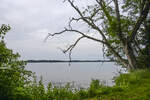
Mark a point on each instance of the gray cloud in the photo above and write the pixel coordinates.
(32, 20)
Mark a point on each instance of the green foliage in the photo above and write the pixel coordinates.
(94, 86)
(13, 76)
(130, 86)
(3, 30)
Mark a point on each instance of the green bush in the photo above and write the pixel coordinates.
(13, 76)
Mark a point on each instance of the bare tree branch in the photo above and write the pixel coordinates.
(85, 20)
(71, 47)
(79, 32)
(75, 19)
(91, 38)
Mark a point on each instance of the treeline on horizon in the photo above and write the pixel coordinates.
(34, 61)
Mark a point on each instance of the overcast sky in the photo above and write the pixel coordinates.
(32, 20)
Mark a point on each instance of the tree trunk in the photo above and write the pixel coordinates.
(130, 56)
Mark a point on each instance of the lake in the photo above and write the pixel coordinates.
(80, 74)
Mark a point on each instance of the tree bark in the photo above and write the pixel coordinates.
(130, 56)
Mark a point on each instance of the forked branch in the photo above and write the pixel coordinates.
(76, 31)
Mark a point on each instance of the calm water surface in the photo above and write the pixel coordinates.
(80, 73)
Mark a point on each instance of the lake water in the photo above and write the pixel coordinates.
(79, 73)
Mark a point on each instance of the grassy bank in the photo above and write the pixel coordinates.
(132, 86)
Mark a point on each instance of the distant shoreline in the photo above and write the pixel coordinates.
(65, 61)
